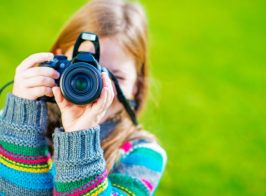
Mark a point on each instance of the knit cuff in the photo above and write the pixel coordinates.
(23, 122)
(25, 112)
(78, 154)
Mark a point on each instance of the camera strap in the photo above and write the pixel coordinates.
(128, 105)
(5, 86)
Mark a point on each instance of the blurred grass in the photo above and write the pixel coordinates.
(207, 103)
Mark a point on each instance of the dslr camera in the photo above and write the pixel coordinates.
(80, 78)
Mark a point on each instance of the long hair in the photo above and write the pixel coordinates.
(126, 22)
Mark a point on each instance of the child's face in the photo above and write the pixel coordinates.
(114, 57)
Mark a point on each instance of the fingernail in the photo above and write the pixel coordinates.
(50, 55)
(57, 75)
(105, 74)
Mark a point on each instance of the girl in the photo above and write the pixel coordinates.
(94, 149)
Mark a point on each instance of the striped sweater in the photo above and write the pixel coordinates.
(78, 166)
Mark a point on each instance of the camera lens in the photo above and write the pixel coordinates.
(81, 83)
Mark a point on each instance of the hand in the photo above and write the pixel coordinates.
(80, 117)
(32, 82)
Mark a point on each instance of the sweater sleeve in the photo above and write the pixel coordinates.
(25, 163)
(81, 168)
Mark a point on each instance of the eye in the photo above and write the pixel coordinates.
(119, 77)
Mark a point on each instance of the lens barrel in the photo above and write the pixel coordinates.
(81, 83)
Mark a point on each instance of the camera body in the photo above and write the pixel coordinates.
(80, 78)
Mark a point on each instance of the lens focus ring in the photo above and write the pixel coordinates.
(81, 83)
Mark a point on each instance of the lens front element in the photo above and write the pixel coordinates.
(81, 83)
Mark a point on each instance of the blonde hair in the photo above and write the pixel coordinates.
(125, 21)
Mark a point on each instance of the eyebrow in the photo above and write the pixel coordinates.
(118, 71)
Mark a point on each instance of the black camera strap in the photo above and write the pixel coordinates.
(5, 86)
(123, 100)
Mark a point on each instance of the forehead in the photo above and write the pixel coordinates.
(113, 55)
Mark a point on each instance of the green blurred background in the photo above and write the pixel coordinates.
(207, 101)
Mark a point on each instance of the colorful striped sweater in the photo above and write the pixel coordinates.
(78, 166)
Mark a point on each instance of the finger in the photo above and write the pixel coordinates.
(111, 88)
(60, 99)
(58, 96)
(35, 59)
(39, 81)
(41, 91)
(110, 98)
(41, 71)
(106, 80)
(110, 93)
(106, 96)
(104, 103)
(98, 106)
